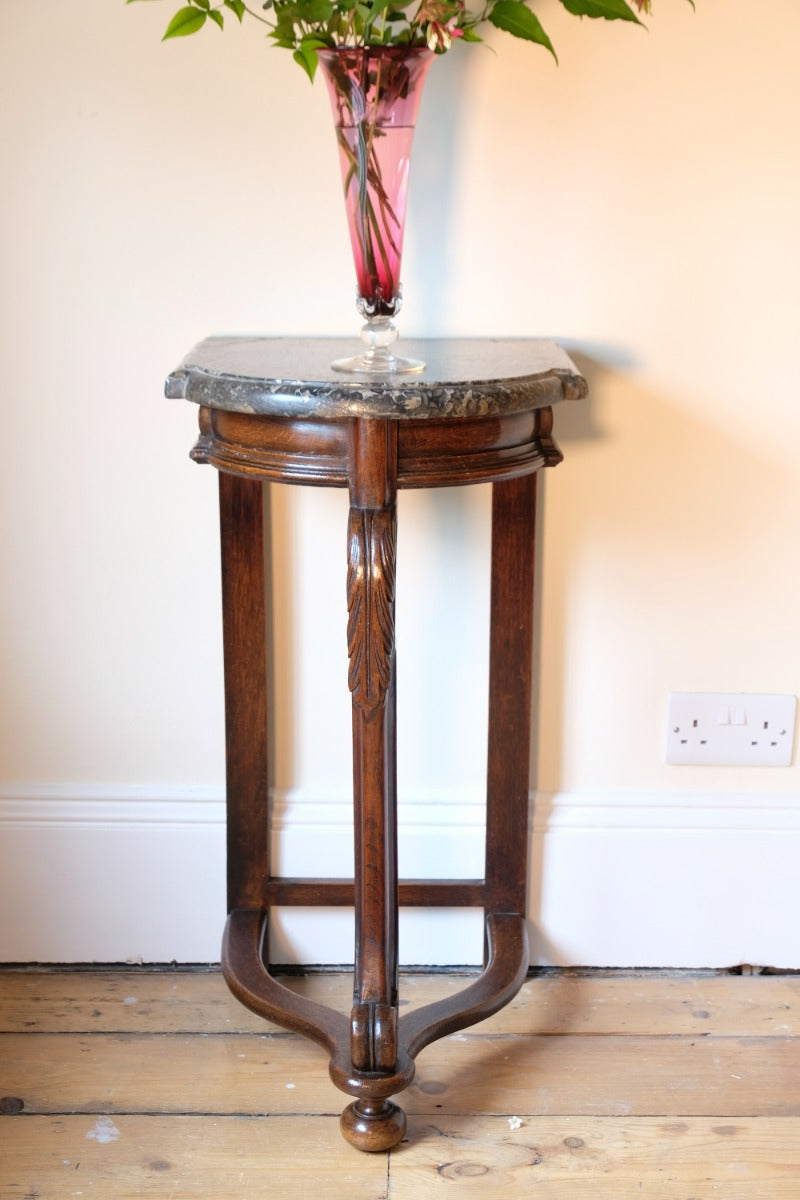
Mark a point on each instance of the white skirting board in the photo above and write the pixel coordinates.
(631, 879)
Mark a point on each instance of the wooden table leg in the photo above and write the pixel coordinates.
(510, 677)
(371, 552)
(241, 505)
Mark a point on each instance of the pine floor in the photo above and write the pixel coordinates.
(122, 1084)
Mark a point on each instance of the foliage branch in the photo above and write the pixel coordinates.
(306, 26)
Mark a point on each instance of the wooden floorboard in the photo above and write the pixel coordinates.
(600, 1158)
(294, 1158)
(199, 1002)
(143, 1084)
(249, 1074)
(175, 1158)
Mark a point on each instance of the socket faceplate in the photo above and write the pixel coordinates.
(730, 729)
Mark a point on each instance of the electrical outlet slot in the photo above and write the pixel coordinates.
(735, 729)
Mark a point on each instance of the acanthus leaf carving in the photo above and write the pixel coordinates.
(371, 544)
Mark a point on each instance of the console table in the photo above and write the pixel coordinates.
(272, 410)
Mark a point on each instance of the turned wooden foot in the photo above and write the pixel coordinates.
(373, 1127)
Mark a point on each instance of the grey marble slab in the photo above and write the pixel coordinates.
(293, 377)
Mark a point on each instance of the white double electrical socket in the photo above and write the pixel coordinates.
(730, 729)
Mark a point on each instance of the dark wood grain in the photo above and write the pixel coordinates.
(244, 646)
(503, 976)
(414, 893)
(316, 451)
(372, 541)
(243, 964)
(510, 668)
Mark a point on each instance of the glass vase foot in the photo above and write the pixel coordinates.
(379, 334)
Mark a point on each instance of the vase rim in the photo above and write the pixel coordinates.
(393, 50)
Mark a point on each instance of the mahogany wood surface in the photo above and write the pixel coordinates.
(244, 643)
(374, 440)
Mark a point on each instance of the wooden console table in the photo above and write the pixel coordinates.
(273, 410)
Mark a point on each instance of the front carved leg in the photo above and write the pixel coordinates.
(371, 553)
(370, 636)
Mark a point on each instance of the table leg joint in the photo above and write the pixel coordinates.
(373, 1036)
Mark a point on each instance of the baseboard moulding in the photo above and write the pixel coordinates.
(111, 874)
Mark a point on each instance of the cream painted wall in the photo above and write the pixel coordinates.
(639, 203)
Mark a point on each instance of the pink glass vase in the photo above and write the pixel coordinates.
(375, 93)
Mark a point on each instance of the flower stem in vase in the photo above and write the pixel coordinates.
(375, 93)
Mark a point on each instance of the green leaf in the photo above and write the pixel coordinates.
(283, 33)
(236, 6)
(306, 56)
(185, 21)
(514, 17)
(204, 4)
(612, 10)
(313, 12)
(218, 17)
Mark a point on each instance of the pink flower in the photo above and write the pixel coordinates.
(440, 37)
(440, 20)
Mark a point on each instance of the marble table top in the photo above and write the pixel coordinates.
(293, 377)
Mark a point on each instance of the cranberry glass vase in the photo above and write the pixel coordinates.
(375, 93)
